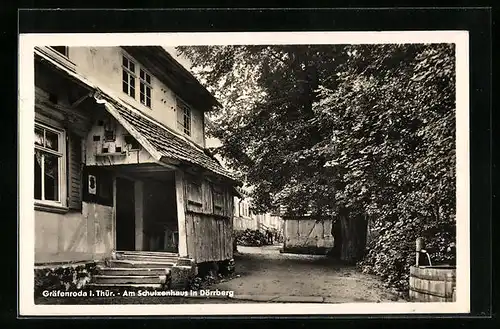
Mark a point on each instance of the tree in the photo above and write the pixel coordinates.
(355, 131)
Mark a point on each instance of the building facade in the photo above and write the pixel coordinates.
(120, 159)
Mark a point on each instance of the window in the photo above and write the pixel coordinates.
(183, 117)
(218, 200)
(48, 164)
(130, 140)
(129, 80)
(145, 88)
(128, 77)
(194, 193)
(63, 50)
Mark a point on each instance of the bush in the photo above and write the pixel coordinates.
(392, 252)
(253, 238)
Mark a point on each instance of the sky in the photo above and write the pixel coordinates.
(184, 61)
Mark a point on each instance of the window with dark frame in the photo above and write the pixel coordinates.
(63, 50)
(145, 88)
(218, 199)
(183, 117)
(130, 140)
(194, 192)
(128, 77)
(48, 163)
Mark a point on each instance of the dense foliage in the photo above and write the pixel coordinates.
(252, 238)
(368, 128)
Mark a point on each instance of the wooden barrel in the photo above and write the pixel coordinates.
(432, 283)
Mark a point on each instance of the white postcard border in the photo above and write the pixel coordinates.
(27, 42)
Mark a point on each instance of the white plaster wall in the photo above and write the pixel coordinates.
(94, 147)
(73, 236)
(103, 66)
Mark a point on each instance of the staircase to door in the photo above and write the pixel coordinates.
(147, 269)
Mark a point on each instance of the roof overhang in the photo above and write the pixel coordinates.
(159, 150)
(182, 82)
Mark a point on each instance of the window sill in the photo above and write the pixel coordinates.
(51, 208)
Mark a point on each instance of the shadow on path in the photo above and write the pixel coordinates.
(266, 271)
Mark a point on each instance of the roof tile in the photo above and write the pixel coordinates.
(170, 145)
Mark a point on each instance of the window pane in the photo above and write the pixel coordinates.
(141, 74)
(148, 92)
(148, 102)
(125, 76)
(125, 87)
(39, 136)
(141, 87)
(142, 98)
(38, 175)
(132, 67)
(51, 140)
(132, 92)
(51, 177)
(61, 49)
(148, 78)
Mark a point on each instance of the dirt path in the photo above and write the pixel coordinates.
(266, 271)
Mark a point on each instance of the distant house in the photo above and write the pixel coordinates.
(244, 217)
(120, 160)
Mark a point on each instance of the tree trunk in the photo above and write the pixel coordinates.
(353, 237)
(337, 239)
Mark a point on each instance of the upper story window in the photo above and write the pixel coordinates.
(59, 54)
(49, 148)
(145, 88)
(63, 50)
(133, 77)
(183, 117)
(128, 77)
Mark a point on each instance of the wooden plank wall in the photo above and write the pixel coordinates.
(209, 230)
(308, 232)
(209, 237)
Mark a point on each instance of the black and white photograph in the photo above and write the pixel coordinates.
(244, 173)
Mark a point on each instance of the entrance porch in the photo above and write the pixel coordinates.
(145, 203)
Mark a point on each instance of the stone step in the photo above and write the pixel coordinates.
(186, 262)
(139, 264)
(113, 286)
(151, 253)
(104, 270)
(172, 259)
(129, 279)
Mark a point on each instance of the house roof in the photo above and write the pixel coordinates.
(166, 143)
(165, 68)
(153, 136)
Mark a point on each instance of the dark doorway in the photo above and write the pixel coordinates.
(125, 214)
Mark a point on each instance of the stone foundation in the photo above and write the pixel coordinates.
(64, 277)
(182, 275)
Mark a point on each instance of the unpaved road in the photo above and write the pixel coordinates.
(266, 271)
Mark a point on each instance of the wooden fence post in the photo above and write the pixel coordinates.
(419, 245)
